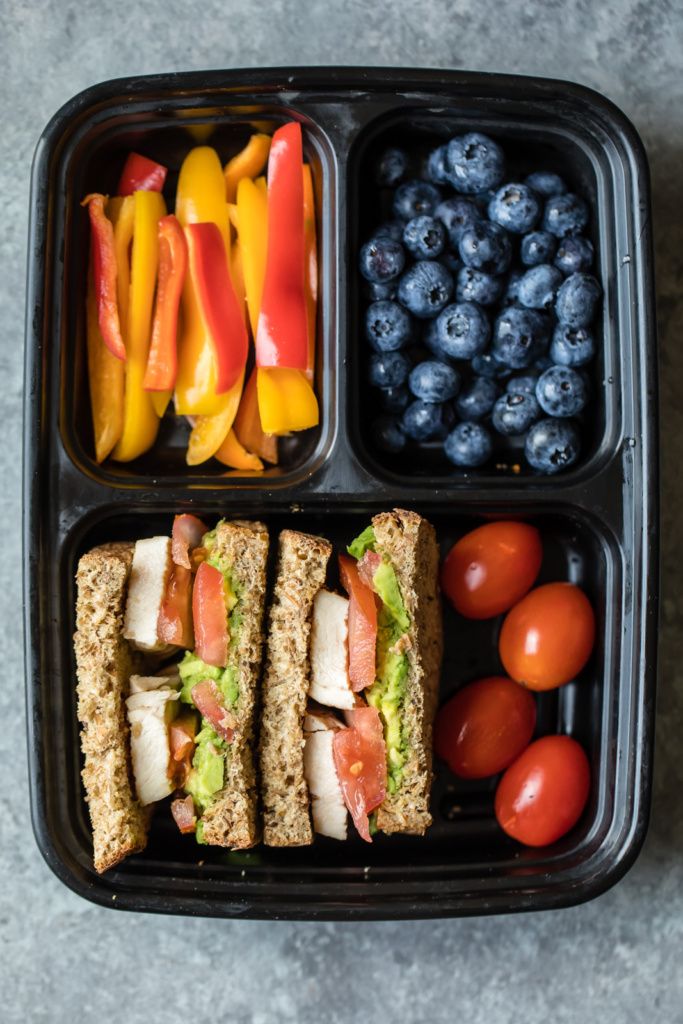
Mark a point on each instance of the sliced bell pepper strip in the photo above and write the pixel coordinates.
(232, 216)
(123, 218)
(232, 453)
(140, 421)
(200, 199)
(282, 333)
(311, 268)
(209, 432)
(104, 270)
(140, 174)
(105, 378)
(286, 400)
(162, 361)
(247, 164)
(237, 275)
(218, 304)
(252, 214)
(262, 184)
(247, 426)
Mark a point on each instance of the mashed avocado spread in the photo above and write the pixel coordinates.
(208, 763)
(388, 691)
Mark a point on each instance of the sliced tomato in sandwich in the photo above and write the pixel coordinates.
(362, 625)
(187, 533)
(184, 814)
(367, 567)
(210, 616)
(360, 761)
(174, 624)
(208, 700)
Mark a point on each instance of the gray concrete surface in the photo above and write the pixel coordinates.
(617, 959)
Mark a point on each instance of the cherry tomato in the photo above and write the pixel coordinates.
(491, 568)
(547, 638)
(482, 729)
(543, 793)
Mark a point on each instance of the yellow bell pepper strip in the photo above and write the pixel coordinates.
(311, 268)
(140, 421)
(105, 377)
(141, 174)
(232, 216)
(209, 432)
(252, 215)
(218, 304)
(282, 333)
(263, 185)
(286, 400)
(246, 164)
(247, 426)
(237, 275)
(232, 453)
(123, 217)
(162, 361)
(200, 198)
(104, 270)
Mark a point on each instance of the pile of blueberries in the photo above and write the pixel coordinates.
(481, 305)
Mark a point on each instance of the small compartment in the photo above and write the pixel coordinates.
(567, 144)
(92, 160)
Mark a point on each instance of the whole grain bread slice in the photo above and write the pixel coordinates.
(409, 542)
(104, 664)
(232, 819)
(301, 569)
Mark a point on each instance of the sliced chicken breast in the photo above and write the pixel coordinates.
(149, 576)
(330, 683)
(327, 803)
(150, 711)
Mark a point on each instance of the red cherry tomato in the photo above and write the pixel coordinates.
(547, 638)
(491, 568)
(543, 793)
(482, 729)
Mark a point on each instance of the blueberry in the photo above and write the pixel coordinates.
(462, 330)
(515, 207)
(552, 445)
(546, 184)
(485, 247)
(457, 215)
(476, 286)
(378, 291)
(381, 259)
(415, 197)
(388, 369)
(537, 247)
(394, 399)
(514, 413)
(476, 401)
(519, 337)
(425, 288)
(538, 287)
(424, 237)
(565, 215)
(574, 254)
(577, 299)
(423, 421)
(436, 170)
(391, 167)
(433, 381)
(390, 229)
(511, 293)
(474, 163)
(561, 391)
(524, 384)
(469, 445)
(571, 347)
(387, 326)
(388, 435)
(486, 365)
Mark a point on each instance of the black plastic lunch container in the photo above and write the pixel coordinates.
(598, 520)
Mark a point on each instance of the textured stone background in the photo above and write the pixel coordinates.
(616, 959)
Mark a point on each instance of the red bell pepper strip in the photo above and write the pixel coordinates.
(140, 174)
(104, 270)
(218, 305)
(282, 333)
(362, 625)
(162, 361)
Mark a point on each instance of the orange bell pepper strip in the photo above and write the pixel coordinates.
(104, 271)
(140, 421)
(141, 174)
(311, 268)
(247, 164)
(200, 198)
(232, 453)
(252, 216)
(162, 361)
(247, 426)
(105, 378)
(209, 432)
(286, 400)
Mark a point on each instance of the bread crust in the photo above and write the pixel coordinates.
(301, 570)
(104, 664)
